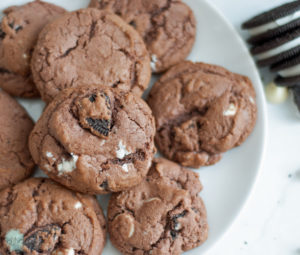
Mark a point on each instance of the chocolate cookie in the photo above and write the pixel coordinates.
(162, 215)
(273, 23)
(39, 216)
(201, 111)
(19, 31)
(168, 27)
(89, 47)
(15, 126)
(95, 139)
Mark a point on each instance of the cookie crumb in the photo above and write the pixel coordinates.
(67, 166)
(122, 151)
(14, 239)
(231, 111)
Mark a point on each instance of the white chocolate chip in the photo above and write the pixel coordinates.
(14, 239)
(50, 155)
(102, 142)
(276, 94)
(152, 199)
(125, 167)
(122, 151)
(177, 226)
(231, 111)
(78, 205)
(67, 166)
(153, 62)
(131, 230)
(60, 251)
(131, 222)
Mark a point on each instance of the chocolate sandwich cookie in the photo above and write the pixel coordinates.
(15, 126)
(39, 216)
(95, 139)
(288, 72)
(89, 47)
(162, 215)
(278, 49)
(168, 27)
(19, 31)
(201, 111)
(273, 23)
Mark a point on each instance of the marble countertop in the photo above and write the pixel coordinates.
(270, 221)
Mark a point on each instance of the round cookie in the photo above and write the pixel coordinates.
(89, 47)
(168, 27)
(201, 111)
(19, 31)
(277, 49)
(95, 139)
(288, 72)
(15, 126)
(39, 216)
(162, 215)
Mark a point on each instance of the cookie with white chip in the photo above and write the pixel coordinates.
(273, 23)
(201, 111)
(39, 216)
(19, 32)
(162, 215)
(95, 139)
(168, 27)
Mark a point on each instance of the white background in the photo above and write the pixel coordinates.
(270, 221)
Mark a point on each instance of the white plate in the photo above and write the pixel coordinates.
(228, 184)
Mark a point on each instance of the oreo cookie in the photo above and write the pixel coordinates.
(288, 71)
(278, 49)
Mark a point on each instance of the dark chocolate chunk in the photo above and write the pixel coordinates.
(17, 28)
(174, 223)
(47, 235)
(101, 126)
(104, 185)
(92, 98)
(2, 34)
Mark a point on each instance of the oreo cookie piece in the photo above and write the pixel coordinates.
(288, 71)
(277, 50)
(269, 20)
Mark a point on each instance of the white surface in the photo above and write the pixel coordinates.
(270, 222)
(227, 184)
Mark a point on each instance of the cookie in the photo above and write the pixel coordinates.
(288, 71)
(19, 31)
(162, 215)
(168, 27)
(278, 49)
(15, 126)
(201, 111)
(95, 139)
(89, 47)
(271, 19)
(39, 216)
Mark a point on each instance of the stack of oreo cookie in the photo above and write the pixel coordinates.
(275, 40)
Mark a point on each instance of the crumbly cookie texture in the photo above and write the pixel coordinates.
(95, 139)
(15, 124)
(201, 111)
(168, 27)
(39, 216)
(19, 31)
(89, 47)
(162, 215)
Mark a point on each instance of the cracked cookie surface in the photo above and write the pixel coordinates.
(19, 31)
(39, 216)
(15, 126)
(162, 215)
(168, 27)
(95, 139)
(201, 111)
(89, 47)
